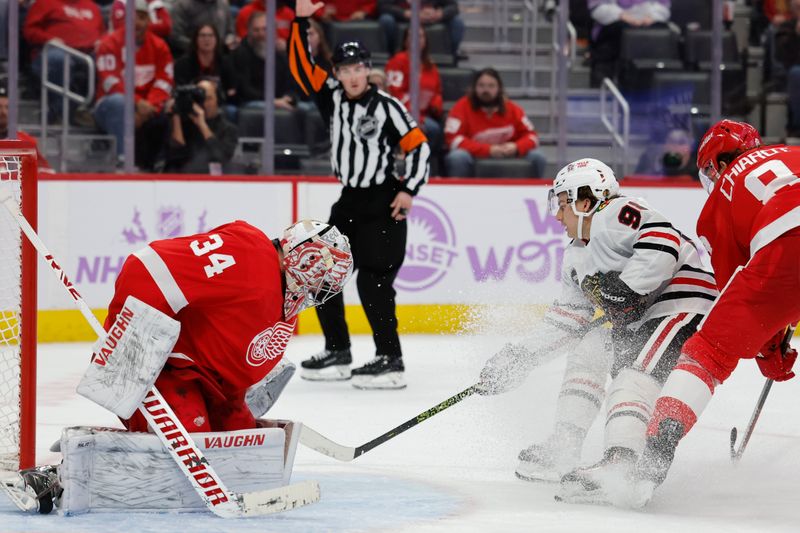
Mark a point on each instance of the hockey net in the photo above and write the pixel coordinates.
(17, 309)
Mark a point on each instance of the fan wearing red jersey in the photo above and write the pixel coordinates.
(750, 225)
(236, 294)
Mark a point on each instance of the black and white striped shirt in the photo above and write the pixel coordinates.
(364, 132)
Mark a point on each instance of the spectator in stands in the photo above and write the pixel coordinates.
(189, 14)
(201, 139)
(248, 60)
(75, 23)
(611, 17)
(320, 48)
(430, 88)
(205, 59)
(672, 157)
(787, 51)
(394, 12)
(284, 15)
(777, 11)
(153, 88)
(485, 123)
(160, 21)
(43, 165)
(344, 10)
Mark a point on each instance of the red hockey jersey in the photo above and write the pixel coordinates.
(225, 287)
(430, 85)
(755, 201)
(476, 131)
(76, 22)
(153, 73)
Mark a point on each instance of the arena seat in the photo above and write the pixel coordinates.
(366, 31)
(455, 82)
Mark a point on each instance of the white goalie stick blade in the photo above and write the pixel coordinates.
(12, 485)
(317, 442)
(280, 499)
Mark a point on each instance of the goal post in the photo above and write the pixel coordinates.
(18, 175)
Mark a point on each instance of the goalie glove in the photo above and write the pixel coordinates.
(775, 363)
(619, 302)
(506, 370)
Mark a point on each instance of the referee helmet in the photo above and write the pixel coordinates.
(349, 53)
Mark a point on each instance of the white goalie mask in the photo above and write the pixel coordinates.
(317, 263)
(583, 173)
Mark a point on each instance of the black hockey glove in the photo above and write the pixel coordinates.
(619, 302)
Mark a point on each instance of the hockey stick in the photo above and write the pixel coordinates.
(322, 444)
(166, 425)
(314, 440)
(736, 455)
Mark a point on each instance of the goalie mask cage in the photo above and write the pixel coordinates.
(17, 309)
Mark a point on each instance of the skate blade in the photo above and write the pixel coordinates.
(331, 373)
(389, 380)
(525, 472)
(592, 497)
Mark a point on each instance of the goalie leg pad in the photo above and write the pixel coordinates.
(127, 361)
(106, 470)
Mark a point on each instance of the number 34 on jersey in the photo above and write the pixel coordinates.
(218, 262)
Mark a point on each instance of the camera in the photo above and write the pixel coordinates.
(186, 96)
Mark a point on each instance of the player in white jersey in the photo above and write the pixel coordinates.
(629, 261)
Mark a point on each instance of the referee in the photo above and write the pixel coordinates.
(367, 127)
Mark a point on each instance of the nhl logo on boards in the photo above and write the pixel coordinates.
(367, 127)
(269, 344)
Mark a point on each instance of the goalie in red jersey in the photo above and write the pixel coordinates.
(750, 225)
(236, 294)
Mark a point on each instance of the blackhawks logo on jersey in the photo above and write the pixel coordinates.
(270, 343)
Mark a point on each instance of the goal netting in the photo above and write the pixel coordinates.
(17, 308)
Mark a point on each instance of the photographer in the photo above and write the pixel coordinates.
(201, 140)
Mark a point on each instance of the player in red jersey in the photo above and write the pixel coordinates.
(236, 294)
(750, 225)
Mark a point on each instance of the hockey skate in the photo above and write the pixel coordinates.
(607, 482)
(383, 372)
(32, 490)
(651, 471)
(327, 365)
(547, 461)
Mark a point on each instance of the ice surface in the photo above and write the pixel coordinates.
(454, 472)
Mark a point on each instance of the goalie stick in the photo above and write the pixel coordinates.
(314, 440)
(736, 455)
(179, 443)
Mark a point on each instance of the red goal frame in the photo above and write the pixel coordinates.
(29, 187)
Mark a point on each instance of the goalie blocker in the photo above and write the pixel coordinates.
(108, 470)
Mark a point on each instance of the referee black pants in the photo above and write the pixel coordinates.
(378, 243)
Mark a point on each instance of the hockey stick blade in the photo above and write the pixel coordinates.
(317, 442)
(734, 434)
(280, 499)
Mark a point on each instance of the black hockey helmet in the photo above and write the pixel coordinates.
(350, 52)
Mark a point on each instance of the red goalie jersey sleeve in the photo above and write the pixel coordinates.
(755, 201)
(225, 287)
